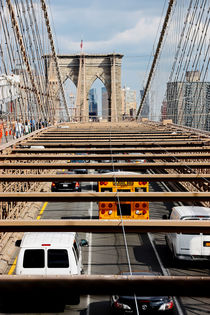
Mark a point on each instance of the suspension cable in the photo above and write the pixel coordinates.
(54, 55)
(159, 45)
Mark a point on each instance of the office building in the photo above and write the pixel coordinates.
(188, 103)
(145, 107)
(128, 102)
(93, 105)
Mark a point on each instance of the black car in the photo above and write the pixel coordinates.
(78, 170)
(147, 304)
(65, 186)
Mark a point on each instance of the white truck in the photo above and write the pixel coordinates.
(189, 246)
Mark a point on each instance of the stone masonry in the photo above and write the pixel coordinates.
(83, 69)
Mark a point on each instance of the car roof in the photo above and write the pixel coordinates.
(65, 172)
(55, 239)
(122, 173)
(141, 273)
(192, 211)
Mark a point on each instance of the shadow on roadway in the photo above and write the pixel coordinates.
(33, 307)
(145, 255)
(79, 218)
(95, 308)
(169, 262)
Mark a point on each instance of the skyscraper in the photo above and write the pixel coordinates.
(145, 107)
(128, 102)
(188, 103)
(93, 105)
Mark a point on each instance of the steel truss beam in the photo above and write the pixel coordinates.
(93, 132)
(105, 156)
(117, 137)
(121, 166)
(58, 287)
(105, 196)
(114, 143)
(99, 177)
(113, 150)
(106, 226)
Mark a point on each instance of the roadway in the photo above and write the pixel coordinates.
(106, 254)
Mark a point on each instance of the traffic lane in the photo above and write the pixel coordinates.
(71, 210)
(190, 305)
(110, 256)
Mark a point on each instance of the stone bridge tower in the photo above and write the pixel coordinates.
(83, 69)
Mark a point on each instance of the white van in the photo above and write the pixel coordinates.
(189, 246)
(49, 253)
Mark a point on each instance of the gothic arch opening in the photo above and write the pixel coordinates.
(70, 91)
(98, 101)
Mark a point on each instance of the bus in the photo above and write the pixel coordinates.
(134, 210)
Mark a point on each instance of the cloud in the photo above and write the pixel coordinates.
(135, 38)
(125, 26)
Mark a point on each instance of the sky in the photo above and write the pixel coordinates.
(128, 27)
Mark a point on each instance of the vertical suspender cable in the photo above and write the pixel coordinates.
(121, 218)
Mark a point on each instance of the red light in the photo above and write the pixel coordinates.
(110, 205)
(77, 184)
(117, 305)
(103, 183)
(102, 211)
(46, 244)
(169, 305)
(144, 212)
(144, 205)
(137, 205)
(103, 205)
(53, 184)
(142, 183)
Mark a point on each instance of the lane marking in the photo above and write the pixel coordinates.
(42, 210)
(15, 261)
(165, 272)
(13, 267)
